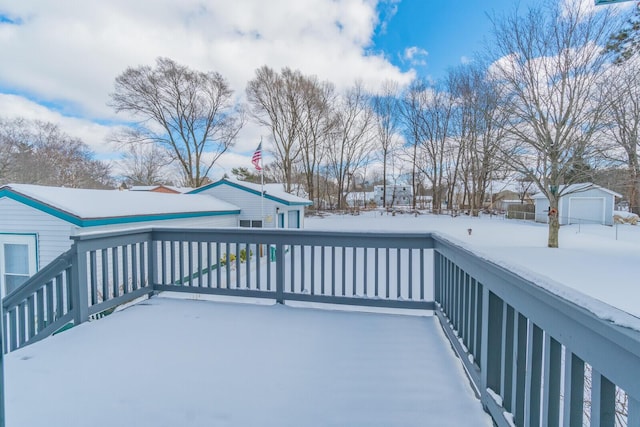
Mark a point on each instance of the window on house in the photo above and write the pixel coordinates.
(250, 223)
(17, 260)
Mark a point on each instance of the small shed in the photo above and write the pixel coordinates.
(277, 209)
(584, 203)
(36, 222)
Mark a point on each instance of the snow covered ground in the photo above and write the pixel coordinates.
(596, 266)
(169, 362)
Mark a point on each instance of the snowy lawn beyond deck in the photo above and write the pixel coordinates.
(169, 362)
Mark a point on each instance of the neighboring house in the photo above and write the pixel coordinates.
(396, 195)
(585, 203)
(36, 222)
(359, 199)
(160, 188)
(277, 209)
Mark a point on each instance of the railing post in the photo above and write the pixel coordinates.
(633, 419)
(279, 273)
(80, 294)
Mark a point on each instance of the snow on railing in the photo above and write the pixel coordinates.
(535, 358)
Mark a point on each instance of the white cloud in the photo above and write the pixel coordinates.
(465, 60)
(415, 55)
(67, 54)
(92, 133)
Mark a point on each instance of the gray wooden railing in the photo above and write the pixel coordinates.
(526, 350)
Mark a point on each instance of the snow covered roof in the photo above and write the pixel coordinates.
(103, 207)
(273, 192)
(577, 188)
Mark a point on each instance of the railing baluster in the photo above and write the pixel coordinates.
(218, 267)
(422, 274)
(271, 248)
(343, 250)
(116, 276)
(210, 266)
(292, 251)
(258, 261)
(333, 271)
(365, 258)
(200, 272)
(375, 270)
(354, 268)
(40, 314)
(322, 268)
(93, 274)
(551, 392)
(227, 264)
(387, 274)
(398, 273)
(247, 265)
(534, 374)
(189, 264)
(134, 267)
(519, 380)
(603, 400)
(313, 269)
(508, 342)
(142, 247)
(237, 264)
(573, 389)
(104, 263)
(410, 273)
(50, 302)
(125, 269)
(164, 261)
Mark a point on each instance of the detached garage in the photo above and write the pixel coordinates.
(580, 204)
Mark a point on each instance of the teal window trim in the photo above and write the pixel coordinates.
(36, 244)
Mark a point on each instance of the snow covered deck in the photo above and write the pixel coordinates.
(169, 362)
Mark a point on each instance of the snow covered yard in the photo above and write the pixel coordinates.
(168, 362)
(596, 266)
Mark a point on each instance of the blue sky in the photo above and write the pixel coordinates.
(447, 30)
(61, 58)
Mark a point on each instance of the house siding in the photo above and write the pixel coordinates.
(251, 205)
(52, 234)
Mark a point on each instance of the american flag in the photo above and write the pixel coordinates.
(257, 156)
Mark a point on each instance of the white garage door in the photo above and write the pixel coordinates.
(585, 210)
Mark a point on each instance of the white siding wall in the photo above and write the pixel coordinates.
(52, 233)
(250, 205)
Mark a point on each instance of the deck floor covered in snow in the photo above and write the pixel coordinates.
(172, 362)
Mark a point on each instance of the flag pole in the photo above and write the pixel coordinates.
(262, 186)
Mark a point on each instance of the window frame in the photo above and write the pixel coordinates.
(28, 239)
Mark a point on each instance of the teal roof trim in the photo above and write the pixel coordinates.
(248, 190)
(93, 222)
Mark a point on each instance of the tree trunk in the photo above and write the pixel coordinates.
(554, 224)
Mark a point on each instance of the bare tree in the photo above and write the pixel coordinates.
(317, 124)
(41, 153)
(276, 101)
(623, 118)
(145, 164)
(351, 146)
(190, 113)
(479, 130)
(436, 150)
(548, 63)
(411, 117)
(387, 119)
